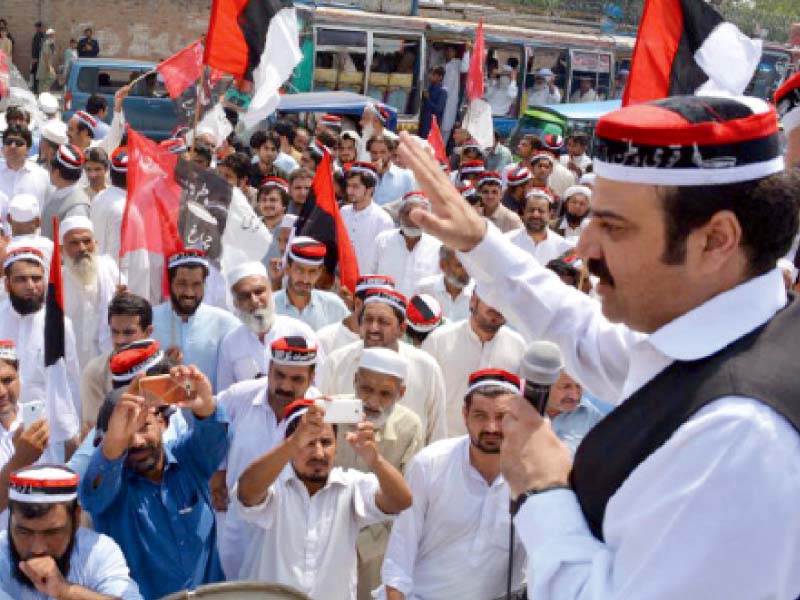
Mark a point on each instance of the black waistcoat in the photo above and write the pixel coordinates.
(763, 365)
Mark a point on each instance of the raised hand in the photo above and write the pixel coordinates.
(310, 427)
(199, 397)
(128, 417)
(363, 442)
(451, 219)
(30, 443)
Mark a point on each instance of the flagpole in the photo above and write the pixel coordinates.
(197, 108)
(140, 77)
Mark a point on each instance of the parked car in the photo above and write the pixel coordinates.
(148, 107)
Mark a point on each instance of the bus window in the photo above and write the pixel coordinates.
(591, 76)
(394, 72)
(340, 60)
(503, 79)
(771, 71)
(546, 66)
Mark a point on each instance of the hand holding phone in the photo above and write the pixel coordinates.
(163, 389)
(342, 410)
(32, 411)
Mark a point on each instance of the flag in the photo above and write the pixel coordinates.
(257, 40)
(62, 414)
(474, 87)
(436, 141)
(684, 47)
(183, 69)
(5, 74)
(322, 220)
(150, 220)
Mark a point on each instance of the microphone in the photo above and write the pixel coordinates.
(540, 367)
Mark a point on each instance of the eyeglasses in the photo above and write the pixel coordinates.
(19, 143)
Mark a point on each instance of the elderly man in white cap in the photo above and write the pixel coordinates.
(380, 383)
(23, 219)
(544, 90)
(460, 348)
(406, 254)
(577, 206)
(256, 411)
(90, 281)
(383, 323)
(454, 541)
(244, 351)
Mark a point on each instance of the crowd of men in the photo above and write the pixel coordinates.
(240, 476)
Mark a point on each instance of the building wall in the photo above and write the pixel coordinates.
(148, 29)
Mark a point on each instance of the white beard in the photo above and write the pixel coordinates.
(380, 421)
(261, 320)
(84, 270)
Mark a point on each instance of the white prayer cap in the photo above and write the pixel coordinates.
(587, 179)
(246, 269)
(351, 135)
(55, 131)
(73, 223)
(544, 73)
(577, 189)
(48, 103)
(383, 360)
(23, 208)
(50, 31)
(288, 221)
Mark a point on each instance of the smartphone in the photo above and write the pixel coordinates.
(31, 412)
(342, 410)
(162, 389)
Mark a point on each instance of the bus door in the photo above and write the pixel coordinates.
(590, 76)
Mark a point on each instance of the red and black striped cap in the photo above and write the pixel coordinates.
(275, 182)
(331, 121)
(472, 145)
(134, 358)
(494, 377)
(43, 484)
(518, 176)
(8, 350)
(23, 253)
(541, 192)
(689, 141)
(370, 282)
(363, 168)
(70, 157)
(188, 257)
(424, 313)
(119, 159)
(307, 250)
(383, 296)
(382, 113)
(553, 141)
(86, 119)
(490, 177)
(787, 99)
(293, 351)
(472, 167)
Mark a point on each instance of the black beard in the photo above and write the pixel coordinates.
(26, 306)
(573, 220)
(483, 447)
(180, 310)
(62, 562)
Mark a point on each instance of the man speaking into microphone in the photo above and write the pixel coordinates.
(689, 488)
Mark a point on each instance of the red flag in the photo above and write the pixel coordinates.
(436, 141)
(323, 222)
(183, 69)
(474, 87)
(5, 74)
(150, 220)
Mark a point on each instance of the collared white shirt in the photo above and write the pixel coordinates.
(96, 563)
(87, 307)
(454, 540)
(549, 248)
(243, 356)
(254, 431)
(309, 542)
(735, 450)
(573, 234)
(459, 352)
(452, 310)
(28, 179)
(334, 336)
(323, 309)
(408, 268)
(393, 184)
(582, 162)
(363, 226)
(543, 96)
(425, 393)
(107, 211)
(571, 427)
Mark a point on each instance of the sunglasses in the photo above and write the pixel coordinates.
(19, 143)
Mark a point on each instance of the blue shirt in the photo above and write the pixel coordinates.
(167, 530)
(433, 105)
(323, 309)
(571, 427)
(198, 338)
(393, 185)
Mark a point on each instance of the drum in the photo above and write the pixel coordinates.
(239, 590)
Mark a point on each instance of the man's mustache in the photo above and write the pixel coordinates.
(599, 269)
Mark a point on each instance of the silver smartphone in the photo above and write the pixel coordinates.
(342, 410)
(32, 411)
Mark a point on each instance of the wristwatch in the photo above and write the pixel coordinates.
(520, 500)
